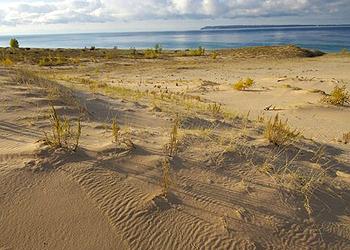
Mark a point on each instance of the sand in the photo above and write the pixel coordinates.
(230, 188)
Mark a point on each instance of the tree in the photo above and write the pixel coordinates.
(14, 43)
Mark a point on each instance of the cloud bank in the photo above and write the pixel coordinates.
(19, 12)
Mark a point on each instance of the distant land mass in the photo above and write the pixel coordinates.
(228, 27)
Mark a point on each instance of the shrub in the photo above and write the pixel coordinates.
(150, 54)
(14, 43)
(214, 55)
(158, 48)
(133, 51)
(197, 52)
(338, 96)
(243, 84)
(278, 132)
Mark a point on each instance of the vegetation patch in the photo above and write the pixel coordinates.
(53, 61)
(243, 84)
(279, 132)
(339, 96)
(62, 134)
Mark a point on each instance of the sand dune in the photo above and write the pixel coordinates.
(230, 188)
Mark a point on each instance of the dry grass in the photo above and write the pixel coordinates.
(115, 131)
(166, 178)
(53, 61)
(243, 84)
(7, 62)
(62, 135)
(338, 96)
(214, 55)
(53, 90)
(346, 138)
(200, 51)
(215, 109)
(279, 132)
(172, 146)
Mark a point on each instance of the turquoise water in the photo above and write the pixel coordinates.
(328, 39)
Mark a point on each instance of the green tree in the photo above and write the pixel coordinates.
(14, 43)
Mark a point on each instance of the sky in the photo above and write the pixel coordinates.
(75, 16)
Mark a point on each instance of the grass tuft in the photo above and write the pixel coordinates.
(166, 178)
(279, 132)
(62, 135)
(171, 147)
(115, 131)
(346, 138)
(339, 96)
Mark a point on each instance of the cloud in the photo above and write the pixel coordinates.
(101, 11)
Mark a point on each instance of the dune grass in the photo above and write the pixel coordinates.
(339, 96)
(62, 134)
(279, 132)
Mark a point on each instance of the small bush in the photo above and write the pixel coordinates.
(133, 51)
(158, 48)
(150, 54)
(14, 43)
(338, 96)
(197, 52)
(243, 84)
(214, 55)
(278, 132)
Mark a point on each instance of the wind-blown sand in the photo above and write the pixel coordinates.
(230, 188)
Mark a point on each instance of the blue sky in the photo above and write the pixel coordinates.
(66, 16)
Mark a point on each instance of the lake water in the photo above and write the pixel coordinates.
(328, 39)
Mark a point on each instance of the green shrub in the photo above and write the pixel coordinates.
(214, 55)
(150, 54)
(14, 43)
(243, 84)
(197, 52)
